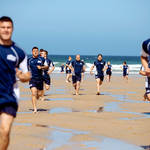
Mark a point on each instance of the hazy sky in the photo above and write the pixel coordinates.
(110, 27)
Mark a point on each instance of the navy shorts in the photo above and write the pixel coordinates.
(101, 77)
(47, 80)
(36, 83)
(76, 78)
(147, 85)
(125, 74)
(109, 73)
(9, 108)
(68, 71)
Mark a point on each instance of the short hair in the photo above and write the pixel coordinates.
(6, 19)
(125, 62)
(46, 52)
(34, 48)
(41, 50)
(99, 55)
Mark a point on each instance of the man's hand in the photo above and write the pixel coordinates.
(39, 67)
(18, 72)
(91, 73)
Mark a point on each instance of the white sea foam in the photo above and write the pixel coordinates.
(116, 68)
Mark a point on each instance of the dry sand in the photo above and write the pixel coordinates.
(66, 121)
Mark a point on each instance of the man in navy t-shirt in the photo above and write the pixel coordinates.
(125, 70)
(145, 60)
(13, 62)
(77, 67)
(36, 65)
(99, 75)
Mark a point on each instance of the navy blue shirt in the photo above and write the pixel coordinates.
(146, 46)
(49, 63)
(99, 67)
(32, 66)
(125, 68)
(109, 68)
(10, 59)
(68, 63)
(78, 66)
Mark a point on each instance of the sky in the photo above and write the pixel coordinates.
(86, 27)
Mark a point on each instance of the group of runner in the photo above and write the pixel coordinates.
(76, 69)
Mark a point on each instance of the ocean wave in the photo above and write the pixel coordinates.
(116, 68)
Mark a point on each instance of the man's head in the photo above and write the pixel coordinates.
(108, 63)
(124, 62)
(69, 58)
(41, 52)
(99, 57)
(35, 52)
(6, 28)
(78, 57)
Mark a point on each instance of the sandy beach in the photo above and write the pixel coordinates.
(118, 119)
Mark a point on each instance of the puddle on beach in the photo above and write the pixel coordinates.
(63, 137)
(58, 99)
(114, 106)
(65, 109)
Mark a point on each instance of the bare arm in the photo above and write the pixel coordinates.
(23, 77)
(51, 70)
(91, 69)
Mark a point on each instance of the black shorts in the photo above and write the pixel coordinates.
(36, 83)
(76, 78)
(147, 85)
(9, 108)
(68, 71)
(47, 80)
(125, 74)
(101, 77)
(109, 73)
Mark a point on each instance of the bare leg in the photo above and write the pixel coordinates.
(98, 86)
(148, 97)
(34, 98)
(77, 87)
(5, 127)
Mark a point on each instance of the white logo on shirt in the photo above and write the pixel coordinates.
(39, 61)
(11, 57)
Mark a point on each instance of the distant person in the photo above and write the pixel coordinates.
(108, 71)
(99, 75)
(77, 66)
(47, 72)
(13, 62)
(62, 68)
(36, 64)
(68, 70)
(125, 70)
(145, 60)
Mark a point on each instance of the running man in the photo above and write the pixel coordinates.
(125, 70)
(11, 57)
(68, 70)
(145, 60)
(36, 64)
(47, 72)
(108, 71)
(77, 66)
(99, 75)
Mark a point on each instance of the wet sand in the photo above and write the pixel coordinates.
(118, 119)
